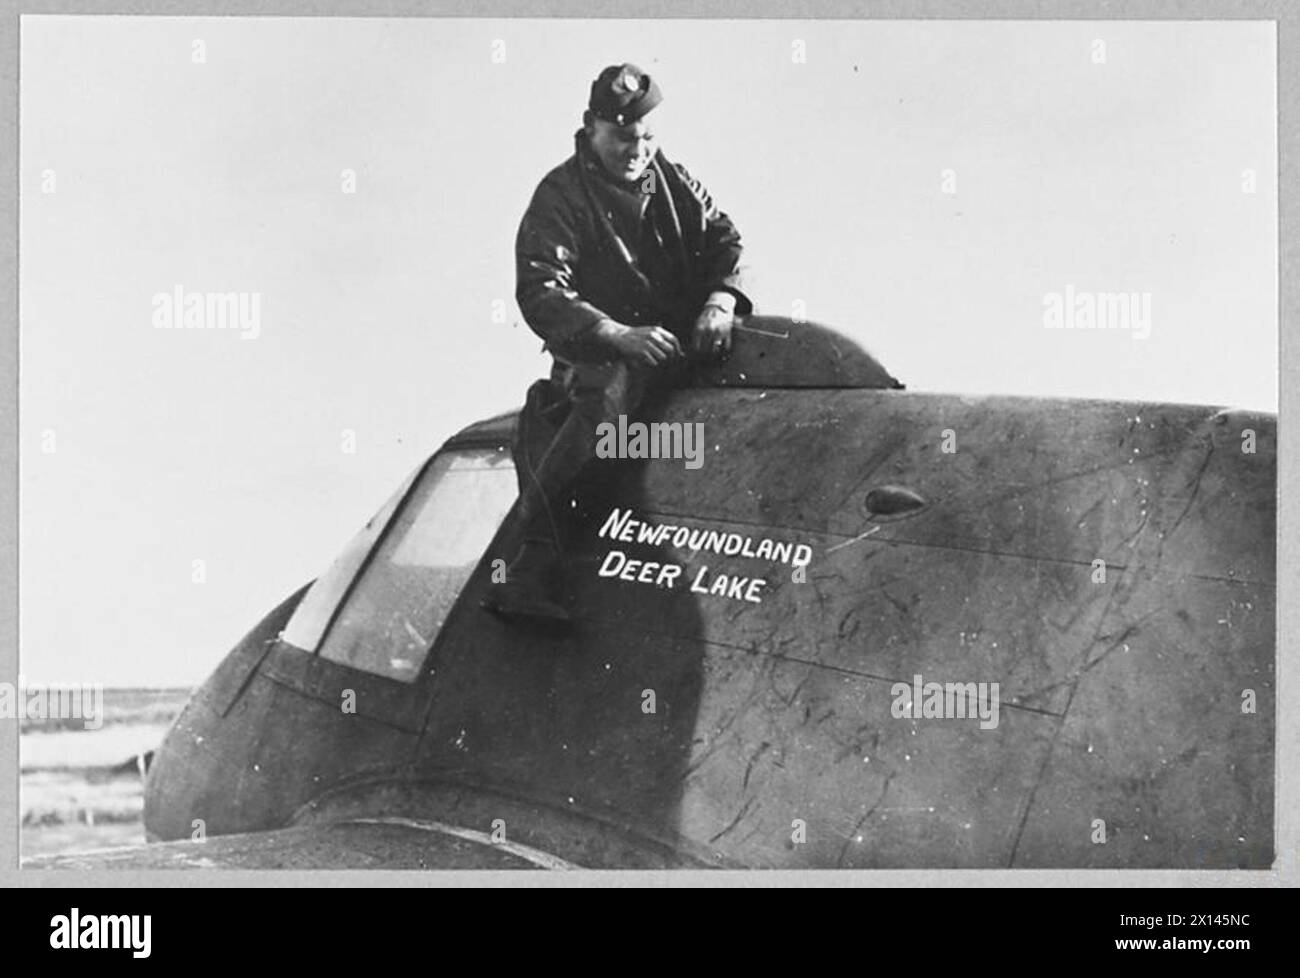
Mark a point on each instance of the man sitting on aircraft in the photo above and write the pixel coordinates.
(627, 270)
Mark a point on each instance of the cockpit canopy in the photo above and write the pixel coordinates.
(382, 602)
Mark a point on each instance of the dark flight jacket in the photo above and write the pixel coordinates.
(589, 249)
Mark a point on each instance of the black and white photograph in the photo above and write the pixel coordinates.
(646, 444)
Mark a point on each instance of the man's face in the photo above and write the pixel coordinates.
(625, 151)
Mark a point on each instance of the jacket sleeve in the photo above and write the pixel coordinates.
(547, 252)
(720, 252)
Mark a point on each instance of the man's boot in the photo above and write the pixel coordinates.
(528, 595)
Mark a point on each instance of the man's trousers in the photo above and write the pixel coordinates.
(558, 431)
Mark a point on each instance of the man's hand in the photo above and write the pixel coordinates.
(645, 345)
(713, 325)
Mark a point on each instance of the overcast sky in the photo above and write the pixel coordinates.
(145, 450)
